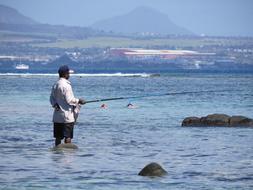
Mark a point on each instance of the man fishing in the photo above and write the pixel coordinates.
(64, 103)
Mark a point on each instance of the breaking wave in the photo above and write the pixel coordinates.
(83, 74)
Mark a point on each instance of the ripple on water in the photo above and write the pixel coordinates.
(234, 179)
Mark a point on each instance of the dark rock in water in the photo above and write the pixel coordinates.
(215, 120)
(155, 75)
(218, 120)
(191, 121)
(240, 121)
(152, 170)
(67, 146)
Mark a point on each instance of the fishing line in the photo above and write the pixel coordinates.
(151, 95)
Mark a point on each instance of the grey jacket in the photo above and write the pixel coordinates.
(62, 95)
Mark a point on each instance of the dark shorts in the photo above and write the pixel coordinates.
(63, 130)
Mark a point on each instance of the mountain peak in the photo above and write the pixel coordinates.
(145, 9)
(9, 15)
(147, 12)
(142, 19)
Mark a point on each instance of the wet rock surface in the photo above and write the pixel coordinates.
(153, 170)
(217, 120)
(66, 146)
(191, 121)
(240, 121)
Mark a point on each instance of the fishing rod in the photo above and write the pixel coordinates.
(152, 95)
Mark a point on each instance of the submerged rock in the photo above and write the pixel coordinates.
(218, 120)
(66, 145)
(153, 170)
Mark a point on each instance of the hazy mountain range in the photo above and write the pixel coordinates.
(140, 20)
(12, 16)
(12, 20)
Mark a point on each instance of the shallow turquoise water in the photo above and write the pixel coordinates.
(116, 143)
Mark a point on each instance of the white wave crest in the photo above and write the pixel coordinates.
(81, 74)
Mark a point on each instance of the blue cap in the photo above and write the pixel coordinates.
(63, 70)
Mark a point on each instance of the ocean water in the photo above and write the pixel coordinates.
(116, 143)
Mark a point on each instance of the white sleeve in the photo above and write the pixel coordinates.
(69, 96)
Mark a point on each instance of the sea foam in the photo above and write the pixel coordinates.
(81, 74)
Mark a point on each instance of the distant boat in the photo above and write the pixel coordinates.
(22, 67)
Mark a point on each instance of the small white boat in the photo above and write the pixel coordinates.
(22, 67)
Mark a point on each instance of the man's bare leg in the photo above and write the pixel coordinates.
(67, 140)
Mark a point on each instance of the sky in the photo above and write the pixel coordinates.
(209, 17)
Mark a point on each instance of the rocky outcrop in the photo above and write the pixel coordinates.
(191, 121)
(218, 120)
(215, 120)
(153, 170)
(240, 121)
